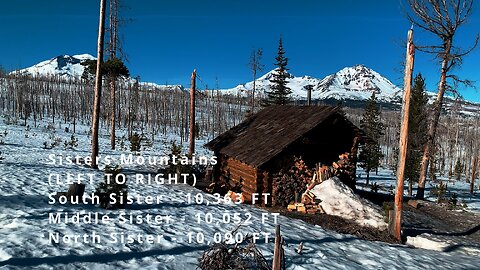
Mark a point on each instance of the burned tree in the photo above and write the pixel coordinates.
(442, 19)
(98, 85)
(256, 66)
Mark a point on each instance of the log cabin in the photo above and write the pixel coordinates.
(250, 153)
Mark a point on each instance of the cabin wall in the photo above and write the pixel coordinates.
(239, 173)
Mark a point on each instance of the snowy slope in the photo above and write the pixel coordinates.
(24, 222)
(340, 200)
(63, 65)
(351, 83)
(67, 66)
(358, 83)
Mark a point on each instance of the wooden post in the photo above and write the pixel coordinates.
(192, 114)
(98, 85)
(278, 250)
(397, 227)
(474, 172)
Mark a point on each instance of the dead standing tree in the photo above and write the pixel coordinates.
(191, 150)
(98, 85)
(113, 54)
(403, 142)
(441, 18)
(256, 66)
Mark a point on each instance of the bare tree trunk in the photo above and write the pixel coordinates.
(403, 143)
(410, 188)
(98, 85)
(192, 114)
(437, 108)
(253, 90)
(112, 112)
(113, 20)
(474, 172)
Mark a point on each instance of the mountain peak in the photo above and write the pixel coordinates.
(360, 81)
(350, 83)
(62, 65)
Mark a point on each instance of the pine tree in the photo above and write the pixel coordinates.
(417, 131)
(279, 91)
(370, 153)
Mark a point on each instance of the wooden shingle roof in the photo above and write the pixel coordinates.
(267, 133)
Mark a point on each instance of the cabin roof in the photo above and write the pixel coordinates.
(267, 133)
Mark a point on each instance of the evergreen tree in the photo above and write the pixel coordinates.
(417, 131)
(110, 68)
(279, 91)
(370, 153)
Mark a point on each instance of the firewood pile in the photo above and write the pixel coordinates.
(287, 185)
(310, 204)
(345, 169)
(292, 188)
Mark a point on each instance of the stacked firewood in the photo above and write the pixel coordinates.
(288, 183)
(344, 169)
(309, 205)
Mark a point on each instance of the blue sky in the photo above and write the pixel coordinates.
(166, 40)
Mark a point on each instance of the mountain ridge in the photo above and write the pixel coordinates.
(350, 85)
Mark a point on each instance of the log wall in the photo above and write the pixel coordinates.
(240, 173)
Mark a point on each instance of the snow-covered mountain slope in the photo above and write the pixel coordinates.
(63, 65)
(358, 83)
(67, 66)
(352, 86)
(351, 83)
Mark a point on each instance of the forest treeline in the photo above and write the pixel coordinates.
(152, 110)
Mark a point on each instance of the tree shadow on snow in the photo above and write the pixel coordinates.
(418, 231)
(98, 258)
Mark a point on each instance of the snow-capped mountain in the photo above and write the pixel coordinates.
(67, 66)
(358, 83)
(351, 83)
(63, 65)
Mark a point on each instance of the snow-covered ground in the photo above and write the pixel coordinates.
(386, 181)
(25, 227)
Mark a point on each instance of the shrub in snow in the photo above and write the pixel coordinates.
(439, 192)
(121, 143)
(110, 186)
(180, 166)
(9, 120)
(3, 136)
(52, 142)
(72, 143)
(135, 141)
(50, 128)
(239, 256)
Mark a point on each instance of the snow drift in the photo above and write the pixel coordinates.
(340, 200)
